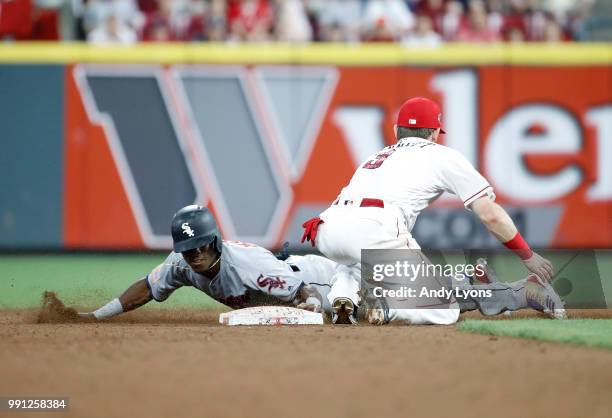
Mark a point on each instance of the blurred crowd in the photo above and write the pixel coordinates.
(410, 22)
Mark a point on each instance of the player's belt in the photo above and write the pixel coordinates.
(365, 203)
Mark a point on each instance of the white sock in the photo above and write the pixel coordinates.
(112, 308)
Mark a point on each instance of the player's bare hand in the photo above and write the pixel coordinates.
(312, 307)
(540, 266)
(309, 299)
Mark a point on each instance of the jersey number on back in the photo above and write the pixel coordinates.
(378, 159)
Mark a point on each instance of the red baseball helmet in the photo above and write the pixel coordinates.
(420, 112)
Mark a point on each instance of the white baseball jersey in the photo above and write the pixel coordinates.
(249, 276)
(407, 176)
(414, 172)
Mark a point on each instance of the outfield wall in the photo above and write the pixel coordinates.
(101, 146)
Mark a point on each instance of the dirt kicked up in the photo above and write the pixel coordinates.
(160, 363)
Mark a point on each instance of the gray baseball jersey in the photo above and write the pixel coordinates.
(249, 276)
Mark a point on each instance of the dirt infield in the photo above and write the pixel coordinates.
(160, 363)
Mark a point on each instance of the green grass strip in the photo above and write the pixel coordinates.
(85, 280)
(588, 332)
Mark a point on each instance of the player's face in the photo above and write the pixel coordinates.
(201, 259)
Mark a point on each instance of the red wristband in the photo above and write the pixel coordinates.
(519, 246)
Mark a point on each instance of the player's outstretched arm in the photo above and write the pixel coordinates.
(499, 223)
(134, 297)
(308, 298)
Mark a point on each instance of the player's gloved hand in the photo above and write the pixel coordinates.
(540, 266)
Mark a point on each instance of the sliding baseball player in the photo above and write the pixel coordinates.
(237, 274)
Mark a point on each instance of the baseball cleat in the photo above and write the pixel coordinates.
(343, 311)
(376, 309)
(542, 297)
